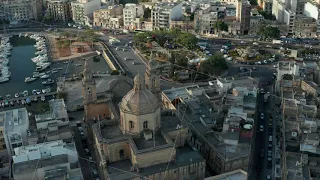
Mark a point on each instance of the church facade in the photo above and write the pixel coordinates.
(145, 142)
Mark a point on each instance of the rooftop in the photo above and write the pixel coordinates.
(233, 175)
(43, 150)
(108, 131)
(57, 111)
(185, 155)
(157, 140)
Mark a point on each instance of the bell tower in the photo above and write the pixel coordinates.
(152, 76)
(89, 92)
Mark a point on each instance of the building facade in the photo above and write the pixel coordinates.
(53, 160)
(163, 13)
(19, 10)
(266, 5)
(312, 10)
(82, 9)
(131, 16)
(243, 15)
(304, 27)
(110, 17)
(16, 125)
(59, 10)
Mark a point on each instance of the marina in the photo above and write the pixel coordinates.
(26, 100)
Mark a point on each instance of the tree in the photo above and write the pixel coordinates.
(269, 32)
(214, 65)
(187, 40)
(42, 107)
(62, 95)
(220, 26)
(147, 13)
(266, 15)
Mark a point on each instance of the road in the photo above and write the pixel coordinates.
(260, 168)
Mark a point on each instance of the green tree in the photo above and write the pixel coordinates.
(188, 40)
(220, 26)
(62, 95)
(42, 107)
(266, 15)
(147, 13)
(214, 65)
(268, 32)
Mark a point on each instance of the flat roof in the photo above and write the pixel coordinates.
(184, 157)
(157, 140)
(233, 175)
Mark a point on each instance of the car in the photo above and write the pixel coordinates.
(268, 177)
(134, 63)
(87, 151)
(262, 91)
(125, 58)
(255, 43)
(269, 153)
(261, 128)
(258, 167)
(269, 146)
(269, 159)
(262, 116)
(123, 49)
(269, 165)
(262, 153)
(270, 138)
(95, 173)
(79, 27)
(117, 48)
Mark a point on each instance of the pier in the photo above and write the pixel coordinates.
(30, 96)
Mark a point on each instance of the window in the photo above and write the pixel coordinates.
(121, 154)
(145, 125)
(131, 124)
(153, 82)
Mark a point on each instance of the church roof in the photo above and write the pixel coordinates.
(139, 100)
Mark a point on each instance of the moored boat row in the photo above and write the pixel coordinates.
(5, 53)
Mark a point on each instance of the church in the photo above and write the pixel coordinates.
(140, 140)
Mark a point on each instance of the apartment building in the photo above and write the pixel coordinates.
(312, 9)
(82, 9)
(131, 16)
(110, 16)
(243, 15)
(205, 18)
(59, 10)
(52, 125)
(50, 160)
(163, 13)
(16, 124)
(285, 12)
(19, 10)
(255, 21)
(266, 5)
(198, 108)
(304, 26)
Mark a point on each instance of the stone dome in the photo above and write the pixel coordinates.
(139, 100)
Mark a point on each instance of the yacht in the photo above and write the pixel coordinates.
(48, 82)
(29, 79)
(11, 103)
(34, 92)
(38, 91)
(54, 71)
(16, 95)
(8, 96)
(4, 79)
(43, 98)
(25, 93)
(37, 74)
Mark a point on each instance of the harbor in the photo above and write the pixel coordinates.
(29, 68)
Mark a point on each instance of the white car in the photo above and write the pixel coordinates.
(79, 27)
(255, 43)
(261, 116)
(261, 128)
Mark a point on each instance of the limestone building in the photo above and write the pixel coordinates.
(145, 141)
(97, 104)
(59, 10)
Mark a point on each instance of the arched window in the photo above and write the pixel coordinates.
(121, 154)
(145, 125)
(131, 124)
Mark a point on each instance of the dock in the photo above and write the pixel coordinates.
(31, 97)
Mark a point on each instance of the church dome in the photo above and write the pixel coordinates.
(139, 100)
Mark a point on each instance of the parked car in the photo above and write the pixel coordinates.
(262, 153)
(262, 116)
(261, 128)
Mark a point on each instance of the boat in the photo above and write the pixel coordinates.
(34, 92)
(38, 91)
(2, 80)
(25, 93)
(37, 74)
(20, 35)
(23, 102)
(46, 90)
(45, 76)
(8, 96)
(6, 103)
(29, 79)
(2, 104)
(18, 102)
(59, 68)
(54, 71)
(35, 99)
(16, 95)
(48, 82)
(11, 103)
(43, 98)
